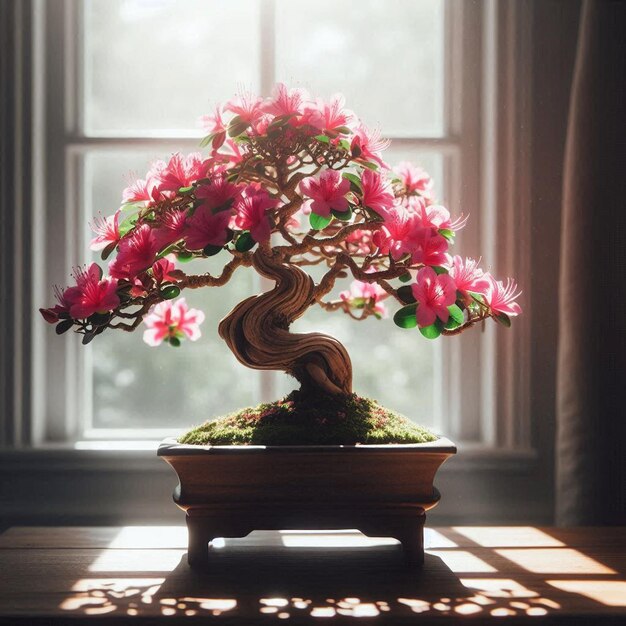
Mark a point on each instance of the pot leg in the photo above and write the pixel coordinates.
(412, 539)
(198, 545)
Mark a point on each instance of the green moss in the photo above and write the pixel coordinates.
(302, 420)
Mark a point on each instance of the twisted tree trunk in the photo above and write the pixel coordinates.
(257, 332)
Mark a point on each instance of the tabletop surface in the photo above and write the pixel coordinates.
(139, 574)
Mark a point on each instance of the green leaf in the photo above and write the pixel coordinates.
(207, 140)
(344, 216)
(184, 257)
(405, 317)
(504, 319)
(323, 138)
(99, 319)
(319, 222)
(174, 341)
(170, 292)
(369, 165)
(220, 138)
(211, 250)
(132, 206)
(433, 331)
(64, 326)
(185, 190)
(87, 338)
(344, 144)
(456, 314)
(344, 130)
(237, 126)
(405, 278)
(448, 234)
(279, 122)
(439, 270)
(106, 252)
(127, 225)
(405, 293)
(245, 242)
(354, 180)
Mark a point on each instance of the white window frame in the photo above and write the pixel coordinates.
(500, 419)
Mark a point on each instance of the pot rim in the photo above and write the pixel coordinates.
(171, 447)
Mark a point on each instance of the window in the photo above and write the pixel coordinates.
(126, 81)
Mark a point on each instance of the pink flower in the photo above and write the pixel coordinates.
(251, 213)
(434, 294)
(219, 193)
(396, 235)
(181, 171)
(138, 191)
(261, 125)
(247, 106)
(366, 295)
(415, 179)
(327, 192)
(432, 216)
(171, 227)
(428, 248)
(92, 294)
(213, 123)
(377, 193)
(145, 189)
(468, 276)
(329, 115)
(161, 271)
(367, 145)
(501, 298)
(172, 320)
(206, 228)
(137, 252)
(435, 216)
(286, 101)
(53, 314)
(107, 231)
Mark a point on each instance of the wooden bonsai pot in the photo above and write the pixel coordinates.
(381, 490)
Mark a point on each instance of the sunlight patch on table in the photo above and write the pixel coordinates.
(462, 561)
(137, 561)
(150, 537)
(435, 539)
(508, 536)
(607, 592)
(99, 596)
(555, 561)
(498, 587)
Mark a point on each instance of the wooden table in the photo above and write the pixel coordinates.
(140, 575)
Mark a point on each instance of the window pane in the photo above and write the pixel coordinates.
(386, 57)
(135, 386)
(160, 64)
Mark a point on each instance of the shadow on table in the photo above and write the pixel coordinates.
(303, 576)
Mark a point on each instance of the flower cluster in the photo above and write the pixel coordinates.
(301, 180)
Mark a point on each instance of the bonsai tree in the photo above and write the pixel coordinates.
(288, 183)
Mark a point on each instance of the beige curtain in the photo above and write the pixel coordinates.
(591, 386)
